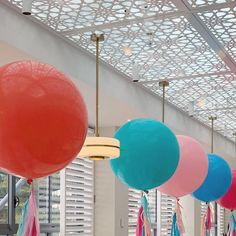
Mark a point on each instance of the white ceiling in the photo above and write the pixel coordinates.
(191, 43)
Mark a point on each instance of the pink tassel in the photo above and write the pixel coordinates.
(147, 227)
(179, 218)
(139, 227)
(143, 227)
(32, 223)
(208, 218)
(206, 222)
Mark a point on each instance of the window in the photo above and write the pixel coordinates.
(65, 200)
(221, 220)
(17, 190)
(166, 209)
(3, 198)
(133, 207)
(217, 224)
(77, 198)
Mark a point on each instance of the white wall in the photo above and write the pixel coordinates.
(111, 211)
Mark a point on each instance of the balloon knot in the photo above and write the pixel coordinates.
(29, 181)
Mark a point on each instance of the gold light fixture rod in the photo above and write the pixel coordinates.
(97, 38)
(163, 84)
(212, 119)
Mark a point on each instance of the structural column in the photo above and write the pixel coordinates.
(191, 213)
(111, 199)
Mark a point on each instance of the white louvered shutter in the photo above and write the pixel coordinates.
(152, 200)
(203, 212)
(221, 220)
(167, 208)
(77, 198)
(134, 205)
(48, 196)
(203, 209)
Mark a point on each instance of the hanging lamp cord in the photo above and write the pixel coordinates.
(163, 84)
(97, 86)
(212, 119)
(163, 103)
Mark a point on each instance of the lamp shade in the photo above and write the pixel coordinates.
(100, 148)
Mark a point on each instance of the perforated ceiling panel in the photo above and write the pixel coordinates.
(191, 43)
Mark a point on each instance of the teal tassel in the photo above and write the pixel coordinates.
(22, 225)
(174, 228)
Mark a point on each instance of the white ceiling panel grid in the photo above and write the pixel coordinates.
(191, 43)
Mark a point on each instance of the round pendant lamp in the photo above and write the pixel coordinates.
(99, 148)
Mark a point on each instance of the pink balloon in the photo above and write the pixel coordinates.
(191, 171)
(229, 199)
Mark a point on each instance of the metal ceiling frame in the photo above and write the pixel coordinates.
(212, 62)
(188, 77)
(206, 34)
(183, 11)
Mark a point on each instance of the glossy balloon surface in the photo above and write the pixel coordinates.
(217, 182)
(149, 154)
(191, 171)
(229, 199)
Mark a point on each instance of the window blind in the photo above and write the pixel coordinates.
(134, 204)
(167, 208)
(221, 220)
(220, 217)
(203, 209)
(77, 198)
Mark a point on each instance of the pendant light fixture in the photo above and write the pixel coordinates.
(99, 148)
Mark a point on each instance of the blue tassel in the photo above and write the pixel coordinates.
(174, 228)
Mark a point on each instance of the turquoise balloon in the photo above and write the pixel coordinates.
(149, 154)
(217, 182)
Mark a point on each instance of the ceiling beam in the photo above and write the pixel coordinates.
(188, 77)
(215, 109)
(206, 34)
(122, 23)
(157, 16)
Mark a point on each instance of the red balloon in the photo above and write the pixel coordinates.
(43, 119)
(229, 199)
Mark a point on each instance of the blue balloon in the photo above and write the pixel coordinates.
(149, 154)
(217, 182)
